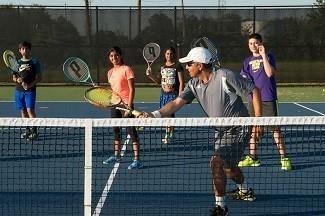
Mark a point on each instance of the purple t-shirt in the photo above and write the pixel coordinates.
(253, 69)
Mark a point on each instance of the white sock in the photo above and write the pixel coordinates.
(243, 187)
(221, 201)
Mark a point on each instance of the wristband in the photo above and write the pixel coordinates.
(156, 114)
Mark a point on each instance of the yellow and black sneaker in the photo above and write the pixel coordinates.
(239, 195)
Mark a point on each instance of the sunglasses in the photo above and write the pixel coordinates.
(189, 64)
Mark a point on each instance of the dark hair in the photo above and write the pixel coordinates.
(171, 49)
(25, 44)
(116, 49)
(255, 36)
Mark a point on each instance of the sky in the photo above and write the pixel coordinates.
(159, 2)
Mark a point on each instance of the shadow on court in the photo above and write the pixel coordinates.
(176, 179)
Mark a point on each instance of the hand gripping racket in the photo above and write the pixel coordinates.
(76, 70)
(11, 62)
(211, 45)
(151, 52)
(104, 97)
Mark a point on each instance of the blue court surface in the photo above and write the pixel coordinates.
(67, 109)
(176, 178)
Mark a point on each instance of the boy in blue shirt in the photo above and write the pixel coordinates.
(25, 92)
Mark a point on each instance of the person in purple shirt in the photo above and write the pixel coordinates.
(260, 67)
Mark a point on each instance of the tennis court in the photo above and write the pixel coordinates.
(46, 177)
(78, 109)
(62, 172)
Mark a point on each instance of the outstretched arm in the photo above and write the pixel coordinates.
(168, 109)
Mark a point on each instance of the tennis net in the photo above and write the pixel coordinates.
(62, 171)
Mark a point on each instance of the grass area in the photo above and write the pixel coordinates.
(301, 94)
(151, 94)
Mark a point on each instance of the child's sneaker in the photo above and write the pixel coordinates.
(249, 161)
(32, 136)
(168, 138)
(112, 159)
(286, 163)
(25, 134)
(135, 165)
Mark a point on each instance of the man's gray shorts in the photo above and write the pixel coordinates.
(230, 144)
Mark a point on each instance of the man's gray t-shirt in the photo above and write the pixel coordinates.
(222, 95)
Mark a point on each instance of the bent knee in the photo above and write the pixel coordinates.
(216, 161)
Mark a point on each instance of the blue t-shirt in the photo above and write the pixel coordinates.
(253, 69)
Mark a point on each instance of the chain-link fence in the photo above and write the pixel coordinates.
(296, 36)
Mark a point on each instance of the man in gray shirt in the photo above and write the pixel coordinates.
(219, 94)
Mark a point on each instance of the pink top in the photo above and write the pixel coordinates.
(118, 77)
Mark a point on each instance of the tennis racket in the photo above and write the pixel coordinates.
(104, 97)
(151, 52)
(11, 62)
(76, 70)
(211, 45)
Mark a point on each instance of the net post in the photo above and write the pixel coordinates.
(88, 167)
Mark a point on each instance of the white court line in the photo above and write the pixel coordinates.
(110, 180)
(309, 109)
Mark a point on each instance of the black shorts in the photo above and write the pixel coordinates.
(115, 113)
(269, 108)
(230, 144)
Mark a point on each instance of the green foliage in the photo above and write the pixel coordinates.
(56, 34)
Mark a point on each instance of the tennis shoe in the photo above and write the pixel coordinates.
(112, 159)
(135, 165)
(219, 211)
(239, 195)
(168, 138)
(32, 136)
(286, 164)
(249, 161)
(25, 135)
(140, 128)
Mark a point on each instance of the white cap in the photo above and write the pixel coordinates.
(198, 54)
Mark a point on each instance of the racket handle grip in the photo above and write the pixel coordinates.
(136, 113)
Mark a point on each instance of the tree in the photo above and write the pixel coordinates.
(317, 27)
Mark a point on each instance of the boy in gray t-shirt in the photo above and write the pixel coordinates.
(219, 94)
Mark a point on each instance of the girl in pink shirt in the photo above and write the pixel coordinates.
(121, 79)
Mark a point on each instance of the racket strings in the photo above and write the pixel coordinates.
(77, 70)
(81, 75)
(102, 97)
(208, 44)
(10, 60)
(151, 52)
(13, 64)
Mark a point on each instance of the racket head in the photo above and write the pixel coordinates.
(10, 60)
(211, 45)
(76, 70)
(151, 52)
(102, 97)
